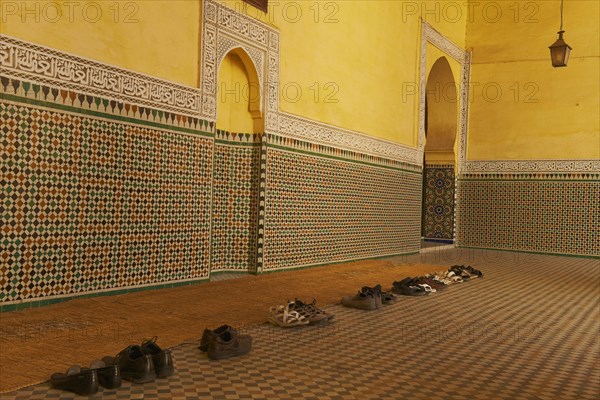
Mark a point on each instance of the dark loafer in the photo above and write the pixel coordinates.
(229, 344)
(162, 359)
(109, 376)
(208, 335)
(78, 380)
(134, 364)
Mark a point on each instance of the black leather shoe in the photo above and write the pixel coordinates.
(78, 380)
(135, 365)
(162, 359)
(109, 376)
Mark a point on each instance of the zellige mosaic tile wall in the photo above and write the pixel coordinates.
(325, 205)
(438, 202)
(549, 213)
(99, 195)
(235, 202)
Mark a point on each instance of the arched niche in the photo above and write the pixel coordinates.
(239, 95)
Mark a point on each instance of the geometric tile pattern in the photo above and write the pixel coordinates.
(92, 203)
(506, 336)
(438, 202)
(322, 209)
(551, 214)
(235, 204)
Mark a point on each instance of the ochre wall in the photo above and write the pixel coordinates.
(372, 87)
(554, 112)
(233, 96)
(158, 38)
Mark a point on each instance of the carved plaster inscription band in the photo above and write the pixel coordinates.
(39, 64)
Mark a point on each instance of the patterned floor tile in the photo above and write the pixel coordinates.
(528, 330)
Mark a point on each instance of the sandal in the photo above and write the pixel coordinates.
(282, 316)
(309, 311)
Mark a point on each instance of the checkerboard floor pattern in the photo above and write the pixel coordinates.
(528, 330)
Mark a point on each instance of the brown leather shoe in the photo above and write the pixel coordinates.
(229, 344)
(82, 381)
(209, 335)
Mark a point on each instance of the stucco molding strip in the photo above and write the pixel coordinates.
(39, 64)
(532, 166)
(303, 129)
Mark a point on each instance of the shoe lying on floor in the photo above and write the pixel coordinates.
(310, 311)
(227, 344)
(406, 287)
(162, 359)
(209, 335)
(284, 317)
(387, 298)
(82, 381)
(109, 376)
(366, 299)
(135, 365)
(461, 269)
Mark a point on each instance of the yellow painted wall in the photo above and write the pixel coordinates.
(354, 64)
(233, 96)
(541, 112)
(158, 38)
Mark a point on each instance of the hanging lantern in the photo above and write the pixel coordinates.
(560, 50)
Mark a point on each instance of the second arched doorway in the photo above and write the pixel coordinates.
(441, 122)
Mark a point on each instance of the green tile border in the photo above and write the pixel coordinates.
(99, 114)
(531, 252)
(233, 272)
(337, 262)
(46, 302)
(235, 143)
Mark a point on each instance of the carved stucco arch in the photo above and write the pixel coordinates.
(224, 30)
(430, 35)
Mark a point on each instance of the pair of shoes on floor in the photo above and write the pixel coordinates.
(87, 381)
(143, 363)
(224, 342)
(310, 312)
(298, 313)
(369, 298)
(466, 272)
(411, 287)
(434, 284)
(136, 363)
